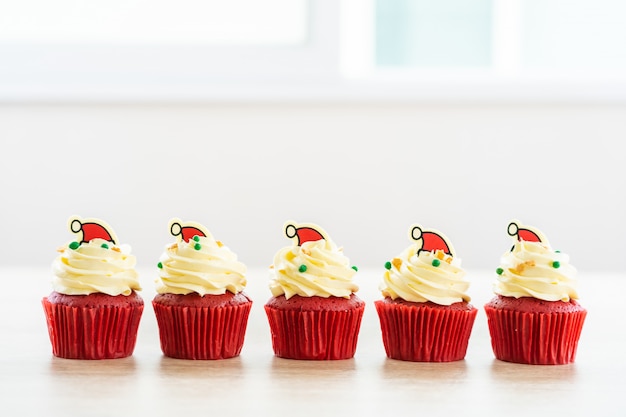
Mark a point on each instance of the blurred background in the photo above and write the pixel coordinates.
(364, 117)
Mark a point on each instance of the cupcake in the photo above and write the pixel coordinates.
(94, 309)
(425, 315)
(313, 313)
(534, 317)
(200, 307)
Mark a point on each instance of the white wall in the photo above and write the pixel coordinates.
(363, 172)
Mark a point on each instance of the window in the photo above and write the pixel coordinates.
(309, 49)
(427, 34)
(495, 48)
(530, 34)
(581, 35)
(163, 22)
(160, 49)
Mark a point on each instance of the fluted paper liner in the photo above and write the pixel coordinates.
(424, 333)
(315, 335)
(202, 333)
(106, 332)
(535, 338)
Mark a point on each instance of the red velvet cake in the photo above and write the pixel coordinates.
(425, 332)
(315, 328)
(425, 315)
(94, 310)
(202, 327)
(535, 317)
(201, 309)
(314, 313)
(532, 331)
(94, 326)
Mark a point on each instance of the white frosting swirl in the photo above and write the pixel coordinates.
(204, 266)
(529, 270)
(427, 276)
(326, 272)
(97, 266)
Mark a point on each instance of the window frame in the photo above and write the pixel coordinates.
(98, 72)
(316, 71)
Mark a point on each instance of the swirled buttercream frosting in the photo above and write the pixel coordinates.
(313, 266)
(198, 263)
(94, 263)
(414, 277)
(426, 271)
(533, 269)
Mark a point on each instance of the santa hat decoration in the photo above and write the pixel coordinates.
(525, 233)
(432, 240)
(187, 230)
(91, 229)
(304, 232)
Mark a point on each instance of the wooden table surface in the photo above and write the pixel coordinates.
(33, 382)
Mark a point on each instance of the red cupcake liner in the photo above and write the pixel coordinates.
(107, 332)
(424, 333)
(202, 333)
(315, 335)
(535, 338)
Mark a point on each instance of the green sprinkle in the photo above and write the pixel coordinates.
(556, 264)
(436, 262)
(499, 271)
(197, 246)
(196, 238)
(302, 268)
(387, 265)
(160, 265)
(355, 268)
(74, 245)
(104, 246)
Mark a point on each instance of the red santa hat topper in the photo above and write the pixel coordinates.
(526, 233)
(431, 239)
(187, 230)
(303, 232)
(90, 229)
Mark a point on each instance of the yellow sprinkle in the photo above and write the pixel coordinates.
(441, 255)
(397, 262)
(219, 243)
(116, 249)
(521, 267)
